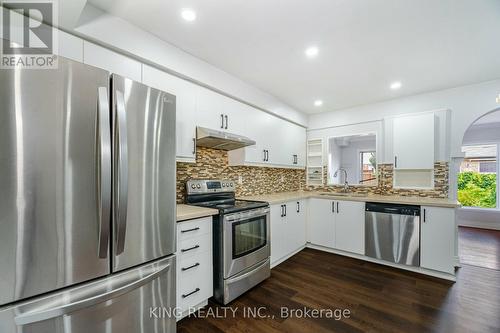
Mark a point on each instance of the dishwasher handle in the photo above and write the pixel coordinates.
(396, 209)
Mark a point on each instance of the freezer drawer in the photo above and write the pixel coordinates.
(124, 302)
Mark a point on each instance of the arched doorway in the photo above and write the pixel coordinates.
(477, 185)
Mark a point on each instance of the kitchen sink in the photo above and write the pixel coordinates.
(344, 194)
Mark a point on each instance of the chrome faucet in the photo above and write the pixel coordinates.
(346, 183)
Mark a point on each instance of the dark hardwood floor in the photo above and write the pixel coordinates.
(479, 247)
(380, 298)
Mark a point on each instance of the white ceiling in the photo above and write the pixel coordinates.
(364, 45)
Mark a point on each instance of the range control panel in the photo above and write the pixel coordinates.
(209, 186)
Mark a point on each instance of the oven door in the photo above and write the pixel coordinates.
(246, 240)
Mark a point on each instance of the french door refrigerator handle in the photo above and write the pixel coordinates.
(103, 166)
(65, 309)
(122, 171)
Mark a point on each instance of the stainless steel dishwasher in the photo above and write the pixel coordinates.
(392, 233)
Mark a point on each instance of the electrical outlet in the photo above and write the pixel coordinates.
(240, 179)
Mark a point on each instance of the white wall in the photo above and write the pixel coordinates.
(119, 35)
(482, 133)
(466, 103)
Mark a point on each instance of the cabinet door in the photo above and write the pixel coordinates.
(413, 141)
(299, 225)
(277, 236)
(438, 236)
(321, 224)
(350, 226)
(210, 109)
(299, 144)
(185, 97)
(116, 63)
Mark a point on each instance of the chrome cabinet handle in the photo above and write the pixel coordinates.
(190, 267)
(121, 148)
(191, 293)
(190, 230)
(65, 309)
(103, 145)
(227, 122)
(190, 248)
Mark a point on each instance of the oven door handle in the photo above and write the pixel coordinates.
(246, 215)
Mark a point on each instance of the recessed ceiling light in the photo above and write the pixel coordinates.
(395, 85)
(188, 14)
(312, 52)
(318, 102)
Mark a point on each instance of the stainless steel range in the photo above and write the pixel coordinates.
(240, 237)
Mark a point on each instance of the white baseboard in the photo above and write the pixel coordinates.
(478, 224)
(441, 275)
(279, 261)
(457, 261)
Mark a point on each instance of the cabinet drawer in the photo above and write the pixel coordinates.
(194, 228)
(194, 246)
(195, 282)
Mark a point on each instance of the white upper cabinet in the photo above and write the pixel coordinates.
(185, 96)
(413, 141)
(279, 143)
(101, 57)
(210, 109)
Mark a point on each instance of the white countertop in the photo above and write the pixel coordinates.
(188, 212)
(277, 198)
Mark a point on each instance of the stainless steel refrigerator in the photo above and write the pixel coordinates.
(87, 202)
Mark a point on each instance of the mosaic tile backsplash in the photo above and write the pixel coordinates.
(213, 163)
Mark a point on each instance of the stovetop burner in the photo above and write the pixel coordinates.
(232, 205)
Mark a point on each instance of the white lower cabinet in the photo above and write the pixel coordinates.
(437, 239)
(194, 264)
(321, 224)
(350, 226)
(337, 224)
(288, 229)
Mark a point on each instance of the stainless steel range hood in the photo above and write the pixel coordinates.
(206, 137)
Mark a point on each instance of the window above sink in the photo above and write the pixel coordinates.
(353, 158)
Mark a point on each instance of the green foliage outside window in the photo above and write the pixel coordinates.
(477, 189)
